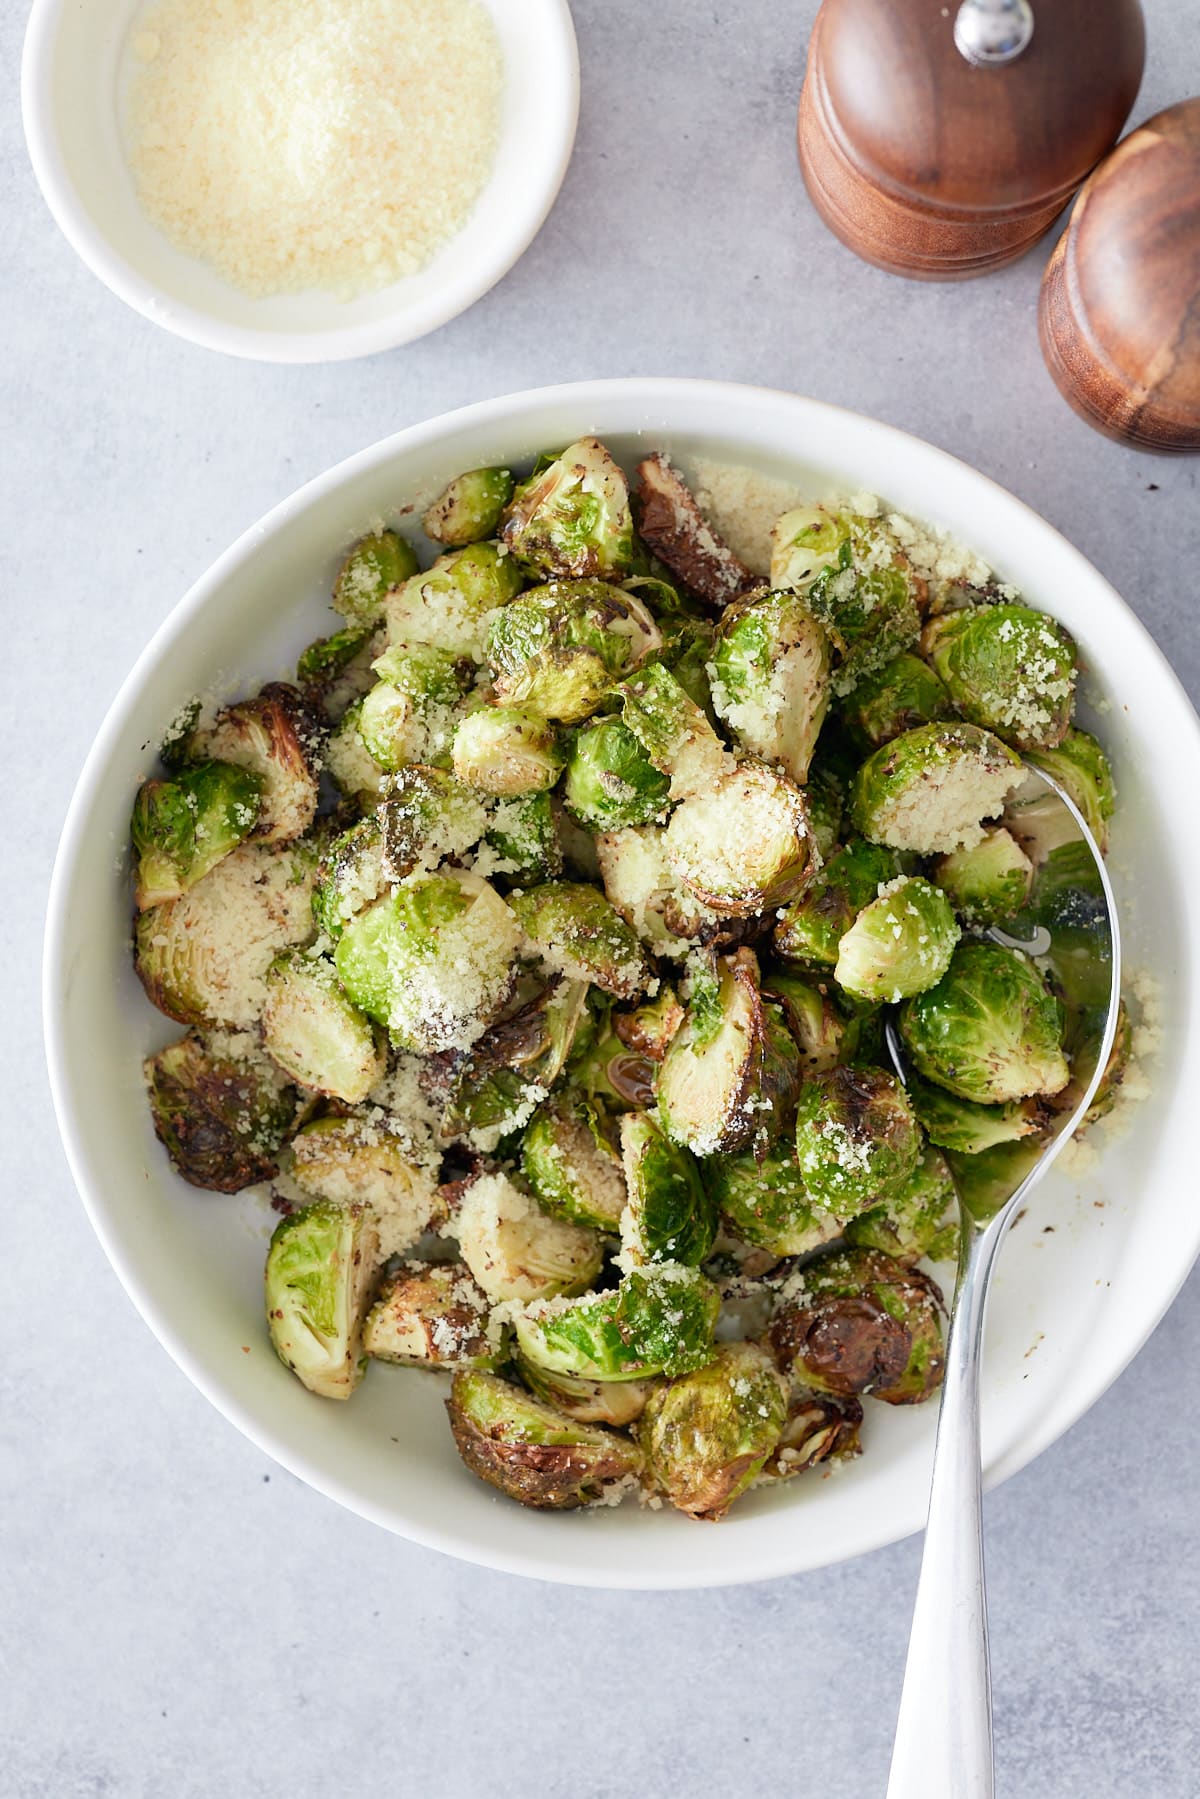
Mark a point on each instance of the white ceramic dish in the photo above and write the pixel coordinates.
(69, 95)
(1071, 1305)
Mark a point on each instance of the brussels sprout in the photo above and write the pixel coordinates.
(615, 1402)
(182, 828)
(610, 780)
(578, 932)
(650, 1028)
(990, 1030)
(811, 929)
(194, 966)
(605, 1069)
(731, 1072)
(930, 790)
(532, 1452)
(515, 1251)
(514, 1065)
(1080, 766)
(348, 761)
(450, 605)
(570, 1166)
(820, 1031)
(275, 738)
(856, 582)
(320, 1268)
(658, 1321)
(967, 1127)
(857, 1138)
(573, 518)
(431, 1315)
(677, 531)
(175, 750)
(989, 881)
(639, 882)
(350, 876)
(429, 816)
(825, 798)
(365, 1160)
(315, 1034)
(805, 542)
(707, 1435)
(469, 508)
(766, 1202)
(432, 961)
(820, 1427)
(919, 1219)
(333, 671)
(900, 944)
(673, 730)
(560, 647)
(898, 697)
(507, 750)
(375, 566)
(220, 1110)
(770, 678)
(858, 1322)
(670, 1216)
(394, 727)
(685, 656)
(524, 837)
(743, 845)
(1008, 668)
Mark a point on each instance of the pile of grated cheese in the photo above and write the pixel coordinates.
(298, 144)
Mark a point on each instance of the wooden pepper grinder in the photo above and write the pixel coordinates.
(941, 140)
(1120, 307)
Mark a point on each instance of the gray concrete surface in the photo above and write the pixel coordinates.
(178, 1618)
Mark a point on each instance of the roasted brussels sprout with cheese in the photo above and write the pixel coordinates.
(367, 1159)
(432, 1315)
(576, 931)
(919, 1219)
(857, 1138)
(571, 1167)
(805, 542)
(770, 678)
(673, 730)
(810, 930)
(559, 648)
(855, 1322)
(276, 739)
(533, 1453)
(658, 1321)
(428, 817)
(857, 583)
(220, 1109)
(1079, 765)
(967, 1127)
(320, 1270)
(469, 508)
(615, 1402)
(514, 1065)
(183, 827)
(731, 1071)
(350, 877)
(990, 1030)
(820, 1027)
(988, 882)
(573, 519)
(900, 944)
(515, 1251)
(374, 567)
(707, 1434)
(1007, 668)
(931, 790)
(898, 697)
(742, 846)
(524, 838)
(315, 1033)
(611, 781)
(507, 750)
(335, 671)
(670, 1215)
(451, 604)
(766, 1203)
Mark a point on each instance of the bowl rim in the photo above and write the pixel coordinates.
(641, 397)
(520, 223)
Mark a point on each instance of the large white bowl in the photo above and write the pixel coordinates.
(1071, 1306)
(70, 99)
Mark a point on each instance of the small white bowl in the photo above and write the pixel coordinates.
(1072, 1303)
(69, 95)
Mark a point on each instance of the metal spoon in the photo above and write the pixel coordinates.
(943, 1743)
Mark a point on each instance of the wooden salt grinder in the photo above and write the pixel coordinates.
(940, 141)
(1120, 307)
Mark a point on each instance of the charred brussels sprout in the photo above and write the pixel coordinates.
(559, 648)
(990, 1030)
(989, 881)
(524, 835)
(570, 1166)
(515, 1251)
(670, 1216)
(470, 508)
(707, 1435)
(579, 933)
(820, 1427)
(220, 1109)
(1008, 668)
(919, 1219)
(770, 678)
(730, 1074)
(658, 1321)
(427, 817)
(350, 876)
(507, 750)
(604, 1067)
(573, 518)
(183, 827)
(744, 845)
(673, 730)
(899, 697)
(857, 1138)
(767, 1204)
(315, 1034)
(611, 781)
(818, 1024)
(1080, 766)
(450, 605)
(530, 1451)
(858, 1322)
(968, 1128)
(900, 944)
(320, 1268)
(930, 790)
(615, 1402)
(275, 738)
(810, 930)
(373, 568)
(368, 1161)
(431, 1315)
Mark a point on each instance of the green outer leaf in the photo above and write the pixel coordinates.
(658, 1321)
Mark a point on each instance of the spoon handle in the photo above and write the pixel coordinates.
(943, 1746)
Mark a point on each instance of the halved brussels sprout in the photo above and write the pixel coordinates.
(606, 1069)
(276, 739)
(820, 1427)
(428, 816)
(811, 929)
(369, 1160)
(315, 1034)
(611, 781)
(744, 845)
(375, 566)
(469, 508)
(658, 1321)
(650, 1028)
(335, 671)
(673, 730)
(1008, 668)
(433, 961)
(507, 750)
(524, 837)
(898, 697)
(731, 1072)
(514, 1065)
(822, 1026)
(578, 932)
(857, 1138)
(573, 518)
(194, 967)
(350, 876)
(930, 790)
(389, 724)
(451, 604)
(532, 1452)
(770, 678)
(989, 881)
(183, 827)
(570, 1166)
(615, 1402)
(707, 1435)
(856, 581)
(670, 1216)
(515, 1251)
(766, 1202)
(350, 764)
(805, 542)
(320, 1270)
(220, 1109)
(676, 530)
(639, 882)
(967, 1127)
(432, 1315)
(900, 944)
(559, 648)
(1079, 764)
(919, 1219)
(857, 1322)
(990, 1030)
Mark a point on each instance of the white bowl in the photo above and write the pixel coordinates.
(1071, 1305)
(70, 83)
